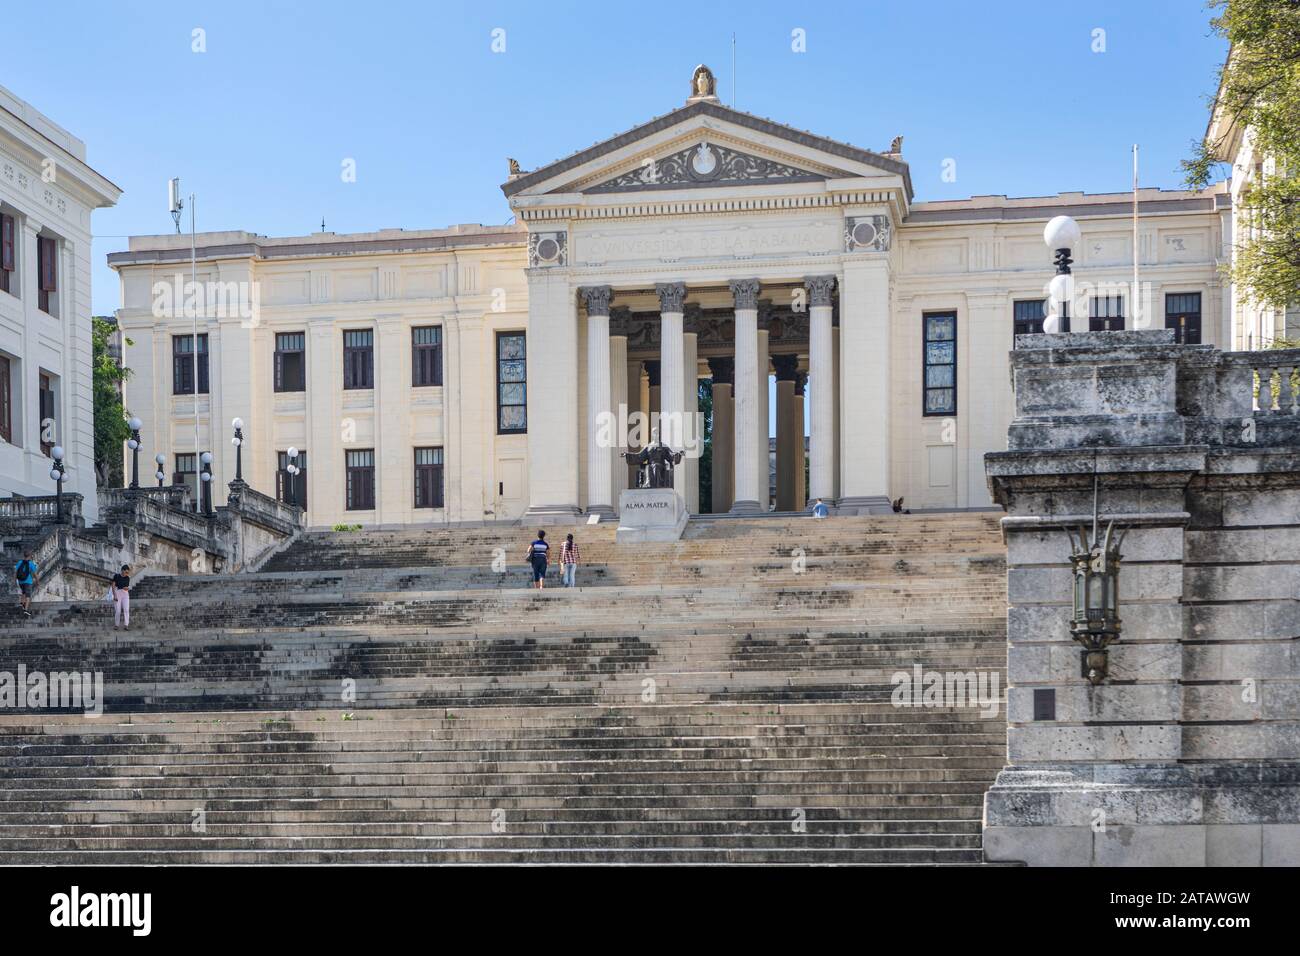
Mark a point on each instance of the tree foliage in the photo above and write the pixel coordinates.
(1259, 91)
(111, 431)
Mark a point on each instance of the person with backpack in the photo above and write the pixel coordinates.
(25, 573)
(537, 552)
(569, 560)
(122, 598)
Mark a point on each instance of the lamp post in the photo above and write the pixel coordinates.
(206, 475)
(238, 442)
(1062, 235)
(133, 443)
(57, 474)
(159, 460)
(292, 468)
(1095, 622)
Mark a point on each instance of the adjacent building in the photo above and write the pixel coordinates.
(47, 195)
(481, 373)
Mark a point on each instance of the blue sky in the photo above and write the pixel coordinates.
(260, 123)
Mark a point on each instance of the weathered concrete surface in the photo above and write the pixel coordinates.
(1198, 460)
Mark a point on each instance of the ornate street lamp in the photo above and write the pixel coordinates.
(1095, 623)
(1062, 235)
(292, 469)
(160, 460)
(133, 443)
(206, 475)
(57, 474)
(238, 442)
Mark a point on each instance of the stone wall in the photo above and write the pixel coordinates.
(1189, 753)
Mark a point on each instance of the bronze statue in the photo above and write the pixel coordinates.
(656, 461)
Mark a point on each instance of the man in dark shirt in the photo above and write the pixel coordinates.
(122, 598)
(537, 552)
(25, 573)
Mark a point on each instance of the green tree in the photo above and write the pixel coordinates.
(111, 430)
(1259, 90)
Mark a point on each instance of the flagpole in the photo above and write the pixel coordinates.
(1139, 321)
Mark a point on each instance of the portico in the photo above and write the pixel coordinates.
(711, 244)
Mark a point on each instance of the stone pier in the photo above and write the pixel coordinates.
(1189, 753)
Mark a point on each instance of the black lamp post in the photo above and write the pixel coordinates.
(238, 442)
(57, 474)
(159, 460)
(206, 475)
(1095, 623)
(133, 443)
(1062, 235)
(291, 467)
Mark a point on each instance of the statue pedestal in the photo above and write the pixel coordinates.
(650, 514)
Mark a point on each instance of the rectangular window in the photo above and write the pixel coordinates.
(6, 401)
(7, 258)
(47, 267)
(1027, 317)
(290, 362)
(428, 477)
(940, 363)
(426, 355)
(1183, 315)
(183, 364)
(299, 482)
(187, 474)
(361, 480)
(359, 358)
(1106, 313)
(512, 383)
(45, 404)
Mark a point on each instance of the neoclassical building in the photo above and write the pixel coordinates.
(481, 373)
(47, 195)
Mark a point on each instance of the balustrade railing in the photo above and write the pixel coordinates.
(1276, 382)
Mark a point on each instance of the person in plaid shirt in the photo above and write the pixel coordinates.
(569, 560)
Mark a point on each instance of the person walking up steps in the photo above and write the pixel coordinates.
(569, 560)
(122, 598)
(25, 573)
(537, 552)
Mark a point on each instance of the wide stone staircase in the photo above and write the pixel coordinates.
(406, 697)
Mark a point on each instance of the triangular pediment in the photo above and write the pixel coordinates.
(707, 144)
(704, 163)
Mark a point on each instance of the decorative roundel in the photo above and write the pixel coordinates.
(704, 161)
(548, 250)
(864, 234)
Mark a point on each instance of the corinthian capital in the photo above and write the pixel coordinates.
(597, 298)
(745, 292)
(671, 295)
(819, 289)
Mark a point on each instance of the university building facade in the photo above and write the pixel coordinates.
(475, 373)
(47, 195)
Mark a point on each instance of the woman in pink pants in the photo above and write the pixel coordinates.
(122, 598)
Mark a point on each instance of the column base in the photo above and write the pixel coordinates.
(551, 514)
(605, 511)
(1145, 815)
(864, 505)
(745, 508)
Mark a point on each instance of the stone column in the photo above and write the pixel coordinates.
(800, 479)
(866, 391)
(724, 432)
(745, 294)
(600, 480)
(673, 372)
(821, 465)
(764, 425)
(836, 431)
(789, 433)
(620, 409)
(692, 438)
(638, 401)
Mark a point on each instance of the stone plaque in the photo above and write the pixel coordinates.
(650, 514)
